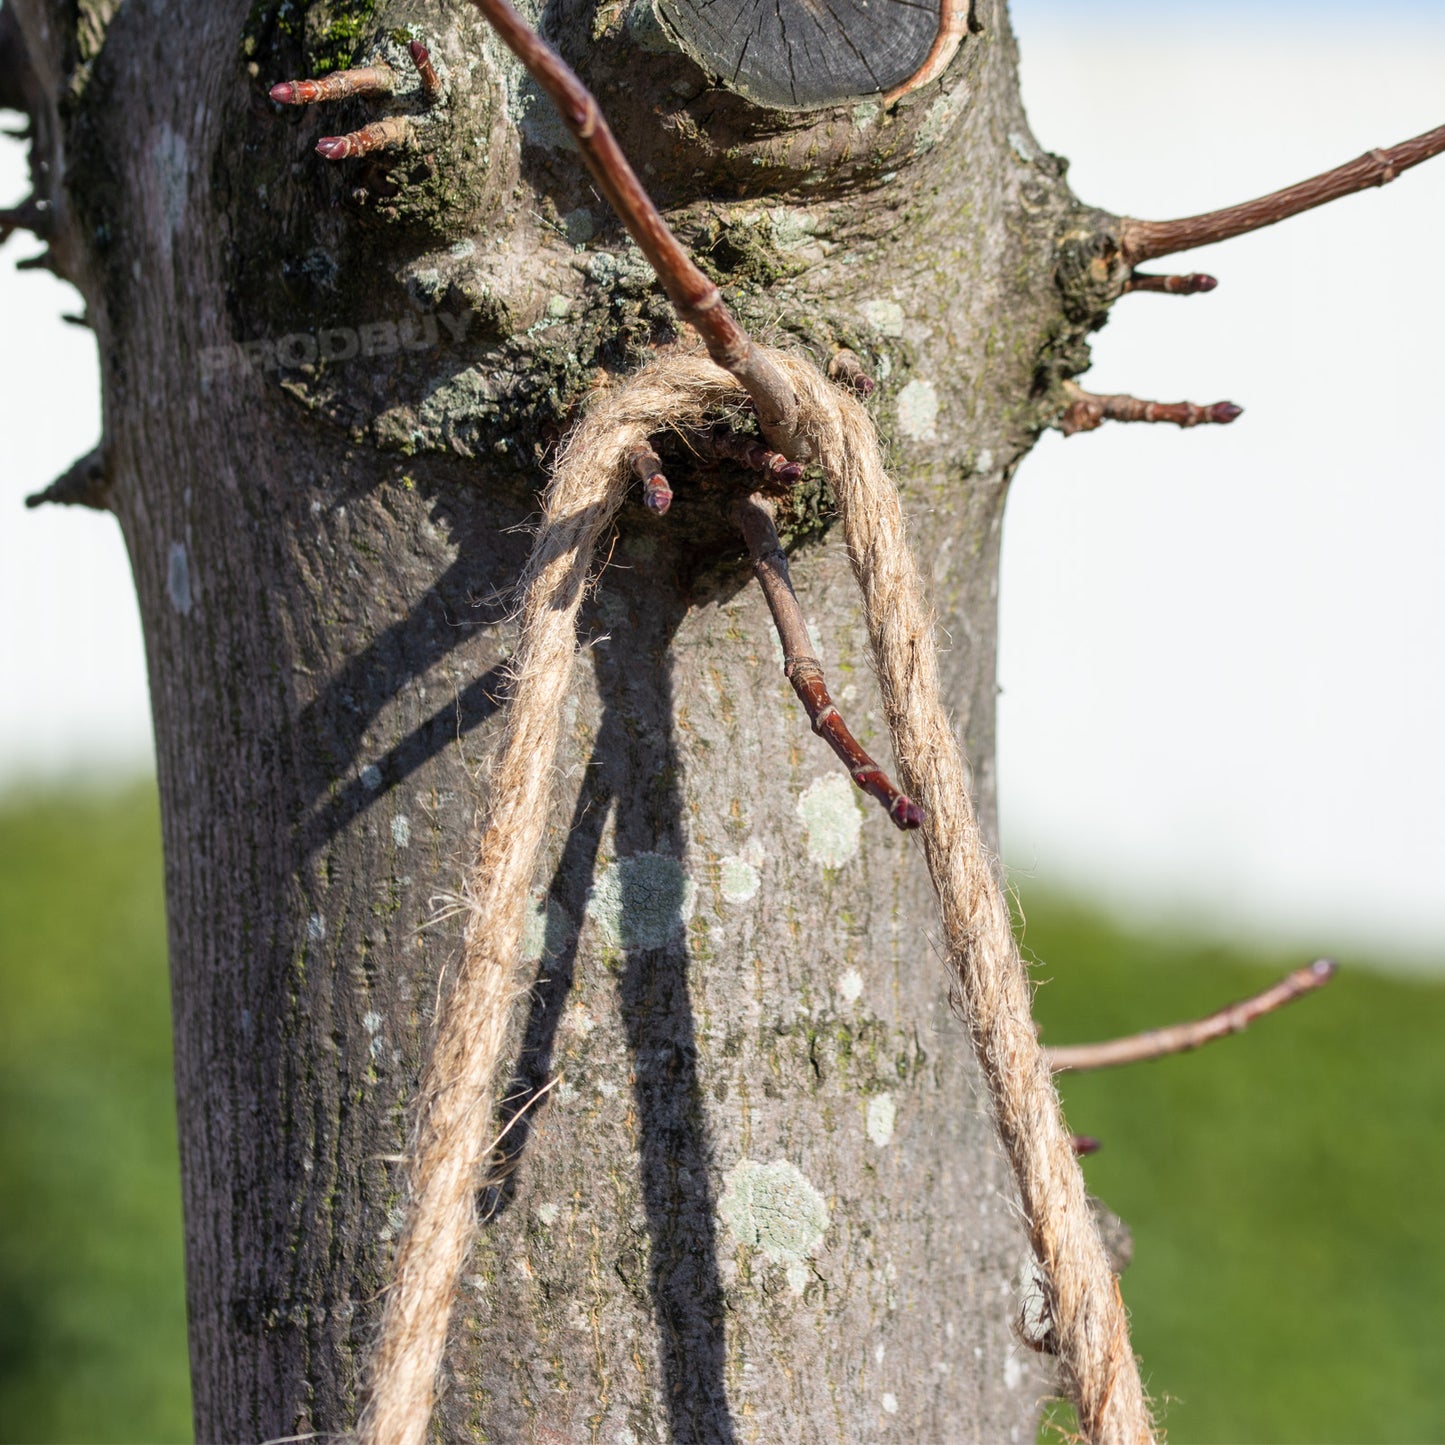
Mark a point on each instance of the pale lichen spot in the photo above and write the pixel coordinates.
(939, 119)
(1013, 1372)
(985, 461)
(792, 229)
(773, 1207)
(850, 985)
(889, 1403)
(884, 316)
(918, 411)
(371, 1022)
(371, 778)
(797, 1278)
(558, 306)
(831, 819)
(642, 902)
(178, 579)
(576, 1019)
(547, 1213)
(739, 881)
(882, 1113)
(316, 927)
(547, 929)
(401, 831)
(864, 115)
(170, 164)
(879, 1351)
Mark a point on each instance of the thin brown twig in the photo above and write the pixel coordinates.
(847, 369)
(1144, 240)
(698, 300)
(802, 668)
(1193, 284)
(30, 215)
(1087, 410)
(431, 82)
(339, 85)
(656, 490)
(390, 134)
(723, 444)
(1181, 1038)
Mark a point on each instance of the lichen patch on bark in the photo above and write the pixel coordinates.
(774, 1208)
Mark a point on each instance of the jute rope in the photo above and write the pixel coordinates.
(457, 1102)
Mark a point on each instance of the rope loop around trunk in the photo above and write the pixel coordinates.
(457, 1104)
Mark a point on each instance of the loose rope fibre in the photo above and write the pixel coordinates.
(457, 1100)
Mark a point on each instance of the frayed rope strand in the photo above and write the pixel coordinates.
(457, 1100)
(456, 1104)
(1090, 1329)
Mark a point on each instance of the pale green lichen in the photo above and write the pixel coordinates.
(642, 902)
(884, 316)
(831, 820)
(739, 881)
(850, 985)
(881, 1116)
(940, 118)
(547, 931)
(773, 1207)
(918, 411)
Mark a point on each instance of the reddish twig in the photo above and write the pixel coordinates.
(724, 444)
(847, 369)
(647, 465)
(1181, 1038)
(431, 83)
(389, 134)
(366, 80)
(1144, 240)
(1190, 285)
(802, 668)
(1086, 411)
(697, 300)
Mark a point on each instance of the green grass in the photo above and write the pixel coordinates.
(1284, 1187)
(92, 1310)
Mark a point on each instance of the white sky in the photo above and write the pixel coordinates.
(1223, 651)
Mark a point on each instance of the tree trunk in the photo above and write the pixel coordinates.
(763, 1200)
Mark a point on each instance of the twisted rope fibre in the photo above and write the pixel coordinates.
(457, 1104)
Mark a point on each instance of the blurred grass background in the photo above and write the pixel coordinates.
(1283, 1187)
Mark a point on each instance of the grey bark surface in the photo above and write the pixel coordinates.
(762, 1200)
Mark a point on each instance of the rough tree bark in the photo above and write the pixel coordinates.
(763, 1200)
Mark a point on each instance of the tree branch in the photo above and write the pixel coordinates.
(698, 300)
(1190, 285)
(85, 484)
(647, 467)
(1181, 1038)
(339, 85)
(802, 668)
(1144, 240)
(723, 444)
(847, 369)
(431, 84)
(392, 133)
(1087, 411)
